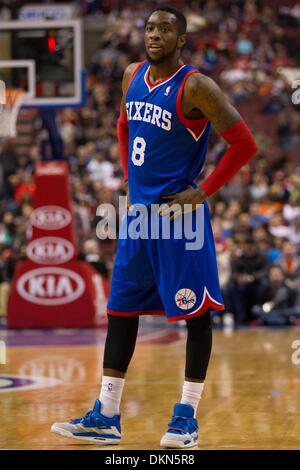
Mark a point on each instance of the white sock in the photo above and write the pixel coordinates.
(110, 395)
(191, 394)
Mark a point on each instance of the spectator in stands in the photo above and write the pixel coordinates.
(257, 219)
(7, 266)
(23, 185)
(290, 261)
(294, 232)
(278, 227)
(9, 165)
(259, 187)
(248, 270)
(91, 253)
(279, 300)
(99, 168)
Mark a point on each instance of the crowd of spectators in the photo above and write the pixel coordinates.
(251, 49)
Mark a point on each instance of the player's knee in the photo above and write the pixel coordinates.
(123, 324)
(198, 325)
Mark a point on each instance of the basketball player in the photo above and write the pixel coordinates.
(166, 113)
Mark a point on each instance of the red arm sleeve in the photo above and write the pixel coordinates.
(123, 135)
(242, 147)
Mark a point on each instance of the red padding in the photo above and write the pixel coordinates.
(242, 148)
(123, 136)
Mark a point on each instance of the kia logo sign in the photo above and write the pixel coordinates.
(50, 250)
(50, 286)
(50, 217)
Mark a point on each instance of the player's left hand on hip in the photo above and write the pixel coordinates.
(183, 202)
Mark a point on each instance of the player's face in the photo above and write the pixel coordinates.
(162, 39)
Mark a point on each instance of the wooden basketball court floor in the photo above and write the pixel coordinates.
(251, 399)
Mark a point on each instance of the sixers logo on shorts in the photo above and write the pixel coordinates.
(185, 298)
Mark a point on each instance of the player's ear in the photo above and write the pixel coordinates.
(181, 40)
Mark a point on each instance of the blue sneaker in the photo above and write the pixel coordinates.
(93, 427)
(183, 428)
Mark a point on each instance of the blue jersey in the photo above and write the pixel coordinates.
(166, 150)
(157, 275)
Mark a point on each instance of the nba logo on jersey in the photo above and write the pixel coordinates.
(185, 299)
(168, 89)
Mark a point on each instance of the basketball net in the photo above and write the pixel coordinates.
(10, 104)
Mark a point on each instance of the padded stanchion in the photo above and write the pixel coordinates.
(52, 288)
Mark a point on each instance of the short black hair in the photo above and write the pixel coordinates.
(180, 18)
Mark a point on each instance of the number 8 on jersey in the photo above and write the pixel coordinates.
(138, 153)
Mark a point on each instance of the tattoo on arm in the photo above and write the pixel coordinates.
(204, 94)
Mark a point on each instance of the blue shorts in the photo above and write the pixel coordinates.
(161, 276)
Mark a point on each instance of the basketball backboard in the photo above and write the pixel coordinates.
(45, 59)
